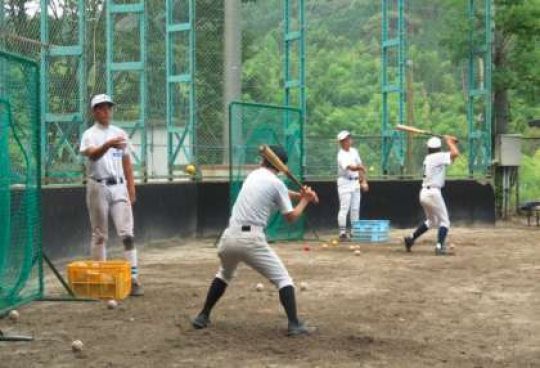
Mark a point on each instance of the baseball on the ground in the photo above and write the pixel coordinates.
(303, 286)
(13, 315)
(334, 242)
(259, 287)
(352, 247)
(357, 252)
(325, 245)
(77, 346)
(112, 304)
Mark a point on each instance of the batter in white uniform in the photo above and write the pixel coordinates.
(244, 239)
(349, 168)
(110, 186)
(431, 197)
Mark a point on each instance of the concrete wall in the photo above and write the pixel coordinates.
(188, 209)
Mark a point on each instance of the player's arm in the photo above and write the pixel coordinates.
(294, 196)
(307, 195)
(451, 142)
(130, 181)
(95, 153)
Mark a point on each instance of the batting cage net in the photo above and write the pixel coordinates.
(21, 278)
(252, 125)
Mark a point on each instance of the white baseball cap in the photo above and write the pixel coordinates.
(434, 142)
(99, 99)
(343, 134)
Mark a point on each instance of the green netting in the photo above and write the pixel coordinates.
(252, 125)
(21, 278)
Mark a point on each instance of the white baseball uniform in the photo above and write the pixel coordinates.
(431, 197)
(106, 191)
(348, 187)
(244, 240)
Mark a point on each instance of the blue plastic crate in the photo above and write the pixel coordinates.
(370, 231)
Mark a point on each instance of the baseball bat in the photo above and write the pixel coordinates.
(271, 156)
(414, 130)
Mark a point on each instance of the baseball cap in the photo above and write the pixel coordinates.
(100, 99)
(343, 134)
(434, 142)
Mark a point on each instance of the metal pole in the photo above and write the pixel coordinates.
(232, 65)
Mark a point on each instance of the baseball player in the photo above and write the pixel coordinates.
(110, 186)
(350, 169)
(431, 198)
(244, 239)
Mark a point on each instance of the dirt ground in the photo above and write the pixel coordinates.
(384, 308)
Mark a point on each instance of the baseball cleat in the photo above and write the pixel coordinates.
(136, 289)
(440, 250)
(343, 238)
(409, 242)
(200, 322)
(299, 329)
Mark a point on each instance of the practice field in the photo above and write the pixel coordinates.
(384, 308)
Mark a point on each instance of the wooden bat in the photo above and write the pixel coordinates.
(271, 157)
(413, 130)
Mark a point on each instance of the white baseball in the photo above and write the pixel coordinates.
(259, 287)
(77, 346)
(303, 286)
(352, 247)
(13, 315)
(112, 304)
(357, 252)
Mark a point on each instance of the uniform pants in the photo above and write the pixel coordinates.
(434, 207)
(349, 200)
(102, 199)
(251, 248)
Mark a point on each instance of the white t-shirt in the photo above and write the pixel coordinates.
(262, 193)
(110, 164)
(435, 169)
(345, 159)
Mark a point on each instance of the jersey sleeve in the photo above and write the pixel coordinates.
(444, 158)
(357, 156)
(283, 200)
(86, 142)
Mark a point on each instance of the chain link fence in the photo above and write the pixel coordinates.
(240, 56)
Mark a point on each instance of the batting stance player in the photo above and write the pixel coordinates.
(110, 186)
(349, 168)
(431, 198)
(244, 239)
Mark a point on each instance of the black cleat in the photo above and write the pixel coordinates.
(409, 242)
(136, 288)
(200, 322)
(343, 238)
(299, 329)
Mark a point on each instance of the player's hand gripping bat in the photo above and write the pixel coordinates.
(413, 130)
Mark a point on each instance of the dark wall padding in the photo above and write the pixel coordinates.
(468, 202)
(189, 209)
(161, 211)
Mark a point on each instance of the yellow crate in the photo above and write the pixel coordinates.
(100, 280)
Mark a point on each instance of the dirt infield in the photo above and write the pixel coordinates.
(384, 308)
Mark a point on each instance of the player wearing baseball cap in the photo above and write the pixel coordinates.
(431, 197)
(244, 240)
(110, 186)
(350, 173)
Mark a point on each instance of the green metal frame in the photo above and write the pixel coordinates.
(295, 85)
(291, 37)
(181, 135)
(479, 92)
(130, 66)
(393, 142)
(56, 142)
